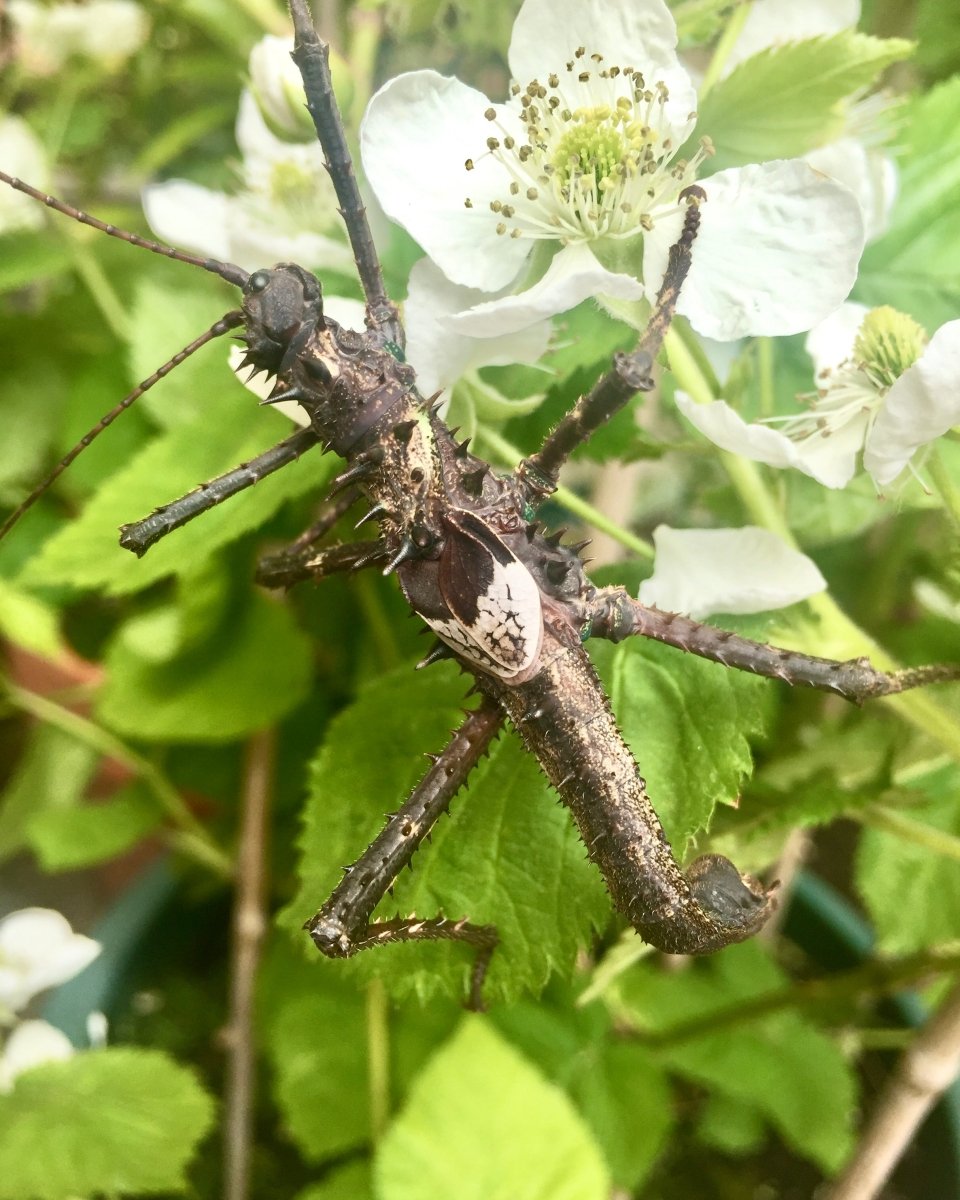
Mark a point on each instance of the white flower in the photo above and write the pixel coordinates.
(107, 31)
(286, 212)
(38, 950)
(857, 159)
(749, 570)
(21, 154)
(880, 391)
(278, 88)
(31, 1044)
(575, 183)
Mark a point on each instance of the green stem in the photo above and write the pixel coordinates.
(190, 836)
(722, 52)
(101, 290)
(918, 832)
(509, 455)
(946, 486)
(378, 1058)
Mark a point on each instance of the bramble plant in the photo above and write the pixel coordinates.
(806, 463)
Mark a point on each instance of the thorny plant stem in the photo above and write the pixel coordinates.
(844, 637)
(510, 456)
(874, 978)
(923, 1073)
(249, 925)
(190, 837)
(378, 1058)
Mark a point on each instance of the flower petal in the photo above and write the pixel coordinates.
(38, 949)
(922, 405)
(416, 136)
(438, 352)
(830, 460)
(547, 33)
(869, 173)
(574, 275)
(773, 22)
(831, 342)
(188, 215)
(21, 154)
(32, 1044)
(749, 570)
(777, 251)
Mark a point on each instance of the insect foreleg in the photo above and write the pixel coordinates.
(343, 927)
(288, 567)
(141, 535)
(631, 373)
(313, 61)
(615, 615)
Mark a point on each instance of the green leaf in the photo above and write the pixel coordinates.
(27, 257)
(86, 553)
(52, 775)
(352, 1182)
(30, 623)
(66, 838)
(785, 100)
(688, 722)
(781, 1066)
(254, 672)
(482, 1124)
(913, 893)
(106, 1121)
(916, 265)
(507, 854)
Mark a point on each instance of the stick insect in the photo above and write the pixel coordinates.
(508, 601)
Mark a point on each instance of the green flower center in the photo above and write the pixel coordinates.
(887, 343)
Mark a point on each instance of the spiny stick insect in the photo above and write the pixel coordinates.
(509, 602)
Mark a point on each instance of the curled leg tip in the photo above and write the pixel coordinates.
(738, 904)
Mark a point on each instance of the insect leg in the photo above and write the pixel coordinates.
(630, 373)
(343, 927)
(616, 615)
(312, 58)
(291, 566)
(141, 535)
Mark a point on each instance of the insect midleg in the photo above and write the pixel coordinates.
(288, 567)
(615, 615)
(342, 927)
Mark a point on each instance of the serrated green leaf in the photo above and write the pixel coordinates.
(482, 1123)
(784, 101)
(726, 1124)
(688, 723)
(86, 554)
(781, 1065)
(67, 838)
(507, 854)
(352, 1182)
(913, 893)
(52, 774)
(915, 266)
(256, 670)
(165, 318)
(106, 1121)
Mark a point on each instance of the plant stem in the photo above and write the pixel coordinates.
(190, 835)
(721, 54)
(946, 486)
(249, 925)
(378, 1058)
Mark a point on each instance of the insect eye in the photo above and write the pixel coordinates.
(258, 281)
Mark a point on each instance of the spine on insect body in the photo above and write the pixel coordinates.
(564, 717)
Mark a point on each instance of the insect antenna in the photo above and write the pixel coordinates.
(227, 322)
(228, 271)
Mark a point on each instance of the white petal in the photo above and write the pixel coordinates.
(38, 949)
(749, 570)
(777, 251)
(416, 136)
(277, 84)
(635, 33)
(438, 353)
(32, 1044)
(188, 215)
(574, 275)
(830, 460)
(112, 30)
(869, 173)
(831, 342)
(773, 22)
(922, 405)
